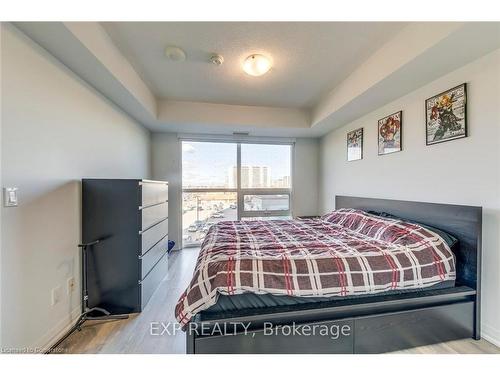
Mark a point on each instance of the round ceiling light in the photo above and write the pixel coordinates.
(175, 53)
(256, 65)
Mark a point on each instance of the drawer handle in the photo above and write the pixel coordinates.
(152, 225)
(145, 182)
(152, 204)
(154, 265)
(152, 247)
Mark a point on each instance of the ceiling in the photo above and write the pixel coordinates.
(325, 75)
(309, 59)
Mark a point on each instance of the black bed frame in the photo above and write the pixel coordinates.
(371, 324)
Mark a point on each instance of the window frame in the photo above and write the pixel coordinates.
(241, 192)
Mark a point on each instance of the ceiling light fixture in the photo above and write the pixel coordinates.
(256, 65)
(175, 53)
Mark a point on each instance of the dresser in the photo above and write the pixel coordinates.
(129, 217)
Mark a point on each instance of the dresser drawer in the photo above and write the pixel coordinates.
(153, 214)
(152, 235)
(154, 192)
(153, 255)
(153, 279)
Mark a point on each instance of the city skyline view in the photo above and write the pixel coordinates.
(256, 177)
(213, 165)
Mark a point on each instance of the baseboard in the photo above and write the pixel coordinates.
(58, 331)
(490, 334)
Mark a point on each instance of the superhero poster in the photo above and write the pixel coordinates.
(389, 133)
(446, 116)
(355, 145)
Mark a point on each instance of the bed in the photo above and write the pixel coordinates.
(381, 272)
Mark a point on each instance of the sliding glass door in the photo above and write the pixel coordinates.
(233, 181)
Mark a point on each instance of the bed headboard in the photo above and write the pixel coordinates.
(463, 222)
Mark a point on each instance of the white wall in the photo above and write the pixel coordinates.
(305, 177)
(166, 165)
(55, 131)
(465, 171)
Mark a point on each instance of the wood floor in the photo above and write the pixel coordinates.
(134, 335)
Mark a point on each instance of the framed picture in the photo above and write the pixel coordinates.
(389, 133)
(446, 115)
(355, 145)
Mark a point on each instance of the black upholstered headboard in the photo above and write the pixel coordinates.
(463, 222)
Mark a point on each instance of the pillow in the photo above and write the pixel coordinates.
(448, 238)
(336, 215)
(370, 225)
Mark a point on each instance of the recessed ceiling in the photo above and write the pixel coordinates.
(324, 75)
(309, 59)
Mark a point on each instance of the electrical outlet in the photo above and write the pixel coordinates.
(70, 285)
(56, 295)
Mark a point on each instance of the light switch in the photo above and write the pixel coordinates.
(10, 196)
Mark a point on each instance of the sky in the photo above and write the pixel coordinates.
(207, 163)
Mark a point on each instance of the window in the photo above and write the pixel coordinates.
(265, 180)
(208, 165)
(233, 181)
(209, 189)
(265, 166)
(201, 210)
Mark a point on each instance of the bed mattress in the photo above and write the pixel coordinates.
(346, 254)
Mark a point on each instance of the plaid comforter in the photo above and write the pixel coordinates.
(347, 252)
